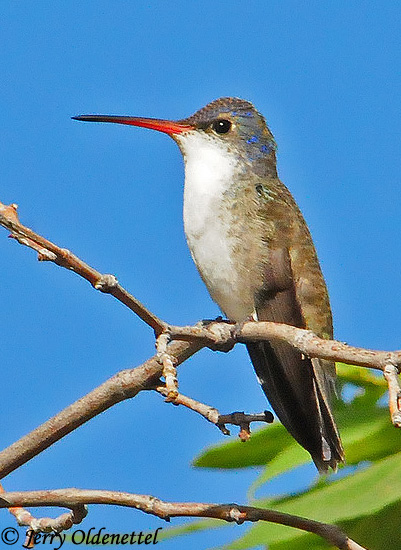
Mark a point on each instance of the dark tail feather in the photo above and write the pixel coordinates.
(292, 389)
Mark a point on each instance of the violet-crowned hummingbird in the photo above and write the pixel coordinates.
(255, 254)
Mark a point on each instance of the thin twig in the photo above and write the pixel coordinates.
(169, 366)
(71, 498)
(239, 418)
(213, 416)
(209, 413)
(394, 394)
(48, 525)
(48, 251)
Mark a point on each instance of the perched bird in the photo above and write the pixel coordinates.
(255, 254)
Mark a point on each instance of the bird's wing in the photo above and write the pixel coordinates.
(293, 383)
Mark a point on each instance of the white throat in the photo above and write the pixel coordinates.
(210, 170)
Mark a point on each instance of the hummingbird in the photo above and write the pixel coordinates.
(255, 254)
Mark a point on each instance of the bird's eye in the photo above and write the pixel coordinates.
(221, 126)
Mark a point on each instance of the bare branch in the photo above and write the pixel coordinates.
(48, 251)
(72, 498)
(244, 421)
(126, 384)
(221, 333)
(169, 369)
(46, 525)
(121, 386)
(212, 415)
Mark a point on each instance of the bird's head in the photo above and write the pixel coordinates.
(228, 125)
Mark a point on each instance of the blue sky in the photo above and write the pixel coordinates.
(325, 75)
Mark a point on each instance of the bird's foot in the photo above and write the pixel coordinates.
(207, 322)
(236, 331)
(220, 336)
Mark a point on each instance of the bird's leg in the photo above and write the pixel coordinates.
(225, 344)
(207, 322)
(236, 331)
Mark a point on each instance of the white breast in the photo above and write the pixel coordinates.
(209, 172)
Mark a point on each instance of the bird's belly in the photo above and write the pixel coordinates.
(210, 172)
(212, 251)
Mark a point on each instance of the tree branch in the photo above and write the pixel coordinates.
(127, 383)
(73, 498)
(394, 394)
(213, 334)
(221, 333)
(213, 416)
(48, 251)
(121, 386)
(224, 335)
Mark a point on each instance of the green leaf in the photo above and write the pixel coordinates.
(293, 456)
(364, 440)
(379, 531)
(309, 542)
(352, 501)
(377, 440)
(365, 428)
(263, 446)
(376, 531)
(362, 494)
(267, 444)
(360, 376)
